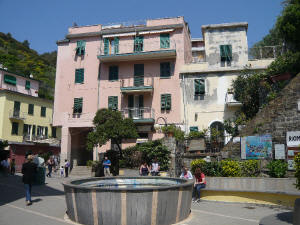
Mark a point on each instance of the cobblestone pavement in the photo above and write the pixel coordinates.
(49, 207)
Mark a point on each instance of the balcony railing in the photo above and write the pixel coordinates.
(230, 100)
(139, 115)
(137, 84)
(126, 51)
(17, 114)
(27, 137)
(265, 52)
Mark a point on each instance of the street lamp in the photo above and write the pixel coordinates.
(157, 125)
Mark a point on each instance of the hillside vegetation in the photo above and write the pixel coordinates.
(19, 58)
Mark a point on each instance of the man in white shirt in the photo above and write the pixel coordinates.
(155, 168)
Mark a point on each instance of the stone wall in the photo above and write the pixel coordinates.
(279, 116)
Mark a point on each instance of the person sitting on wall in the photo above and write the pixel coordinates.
(155, 168)
(199, 184)
(144, 169)
(186, 174)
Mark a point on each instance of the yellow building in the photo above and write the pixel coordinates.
(25, 118)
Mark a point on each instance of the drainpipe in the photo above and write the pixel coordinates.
(98, 90)
(184, 105)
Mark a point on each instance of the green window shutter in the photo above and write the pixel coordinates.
(141, 101)
(53, 132)
(138, 44)
(116, 40)
(79, 76)
(226, 52)
(163, 102)
(106, 46)
(15, 128)
(164, 40)
(30, 109)
(113, 73)
(165, 69)
(130, 101)
(168, 102)
(27, 85)
(43, 111)
(10, 79)
(113, 102)
(46, 131)
(199, 86)
(80, 49)
(77, 105)
(194, 128)
(33, 129)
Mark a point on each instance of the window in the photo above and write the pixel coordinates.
(194, 128)
(80, 49)
(165, 101)
(10, 79)
(113, 73)
(113, 102)
(165, 70)
(46, 131)
(164, 40)
(27, 85)
(15, 128)
(77, 105)
(39, 131)
(111, 46)
(53, 132)
(17, 106)
(138, 75)
(43, 111)
(199, 86)
(138, 44)
(30, 109)
(79, 76)
(26, 129)
(226, 53)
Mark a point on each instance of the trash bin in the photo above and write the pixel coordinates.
(40, 176)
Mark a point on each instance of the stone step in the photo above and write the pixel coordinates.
(81, 171)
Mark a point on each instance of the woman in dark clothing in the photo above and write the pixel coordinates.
(144, 169)
(28, 170)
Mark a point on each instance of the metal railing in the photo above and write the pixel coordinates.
(137, 82)
(138, 113)
(130, 47)
(265, 52)
(17, 114)
(27, 137)
(196, 59)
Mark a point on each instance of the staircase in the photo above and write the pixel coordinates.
(81, 171)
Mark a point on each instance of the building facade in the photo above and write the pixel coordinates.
(25, 119)
(133, 69)
(206, 85)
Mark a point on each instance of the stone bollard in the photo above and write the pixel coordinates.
(296, 214)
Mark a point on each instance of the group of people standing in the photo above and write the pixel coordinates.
(153, 168)
(53, 164)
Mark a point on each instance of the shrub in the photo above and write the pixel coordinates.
(250, 168)
(198, 163)
(297, 174)
(212, 169)
(131, 157)
(89, 163)
(231, 168)
(277, 168)
(198, 134)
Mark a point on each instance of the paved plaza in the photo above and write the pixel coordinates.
(49, 208)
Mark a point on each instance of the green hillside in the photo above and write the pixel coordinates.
(19, 58)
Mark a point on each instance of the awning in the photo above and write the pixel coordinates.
(119, 35)
(156, 31)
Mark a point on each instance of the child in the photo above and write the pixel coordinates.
(61, 171)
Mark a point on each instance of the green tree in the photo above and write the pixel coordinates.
(110, 125)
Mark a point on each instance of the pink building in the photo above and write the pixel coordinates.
(134, 69)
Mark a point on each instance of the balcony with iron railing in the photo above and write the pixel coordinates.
(230, 101)
(143, 115)
(137, 84)
(129, 51)
(265, 52)
(17, 114)
(29, 138)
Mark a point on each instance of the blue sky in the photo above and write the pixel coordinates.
(43, 22)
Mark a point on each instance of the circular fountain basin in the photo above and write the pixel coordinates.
(128, 200)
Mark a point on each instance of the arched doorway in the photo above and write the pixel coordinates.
(217, 135)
